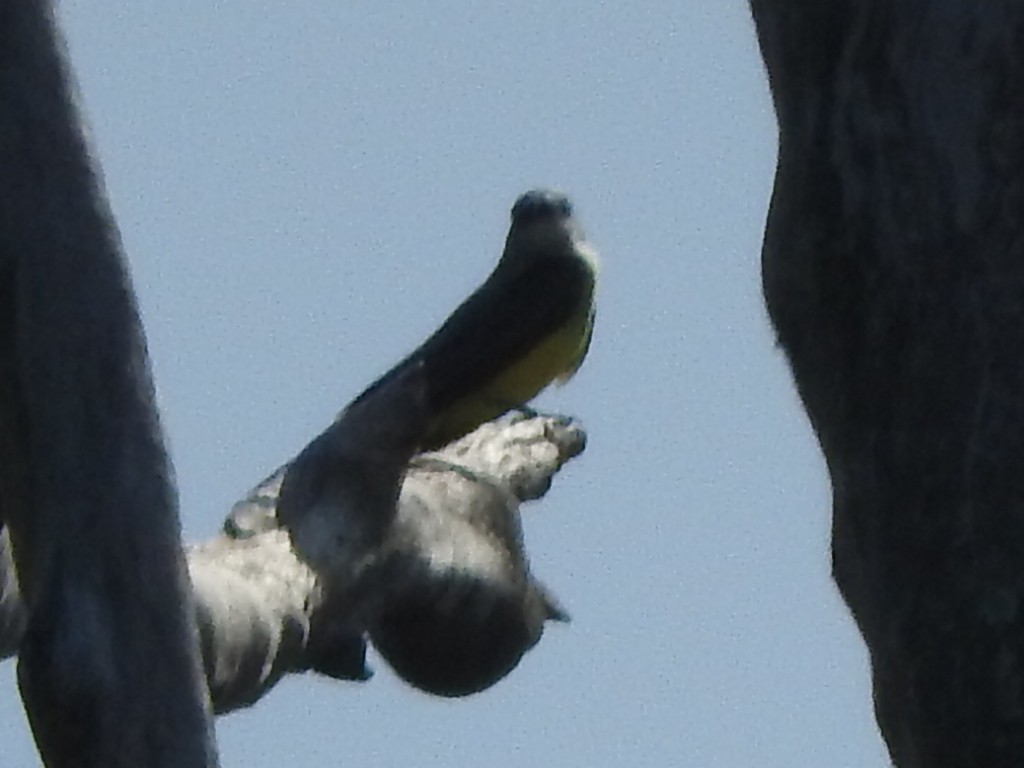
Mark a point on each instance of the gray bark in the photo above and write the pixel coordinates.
(108, 667)
(893, 270)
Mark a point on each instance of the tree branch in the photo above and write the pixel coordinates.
(263, 612)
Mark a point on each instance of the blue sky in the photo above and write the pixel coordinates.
(306, 189)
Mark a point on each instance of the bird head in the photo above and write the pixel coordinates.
(542, 225)
(540, 204)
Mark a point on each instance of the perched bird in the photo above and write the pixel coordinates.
(528, 325)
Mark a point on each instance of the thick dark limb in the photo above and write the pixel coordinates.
(894, 274)
(109, 666)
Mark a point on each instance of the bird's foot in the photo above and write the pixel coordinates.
(527, 411)
(433, 462)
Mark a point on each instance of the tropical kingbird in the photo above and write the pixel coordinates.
(528, 325)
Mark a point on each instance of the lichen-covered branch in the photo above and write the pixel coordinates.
(451, 562)
(12, 610)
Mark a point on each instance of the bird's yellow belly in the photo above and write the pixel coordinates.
(517, 384)
(526, 377)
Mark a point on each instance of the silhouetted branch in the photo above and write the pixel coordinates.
(894, 274)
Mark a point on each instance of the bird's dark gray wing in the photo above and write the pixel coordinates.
(488, 332)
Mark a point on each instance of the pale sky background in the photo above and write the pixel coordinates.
(306, 189)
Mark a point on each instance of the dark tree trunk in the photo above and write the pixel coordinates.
(894, 274)
(109, 665)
